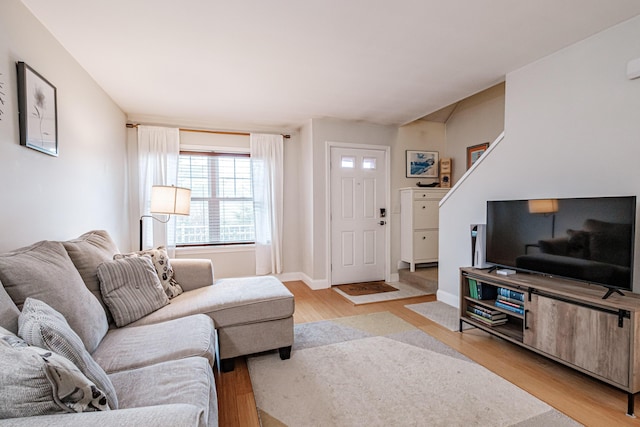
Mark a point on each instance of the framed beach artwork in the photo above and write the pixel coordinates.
(37, 108)
(422, 164)
(474, 152)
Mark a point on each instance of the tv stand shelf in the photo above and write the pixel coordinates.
(563, 320)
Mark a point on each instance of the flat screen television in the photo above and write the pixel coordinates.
(585, 239)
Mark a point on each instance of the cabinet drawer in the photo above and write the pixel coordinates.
(425, 214)
(420, 195)
(425, 245)
(429, 194)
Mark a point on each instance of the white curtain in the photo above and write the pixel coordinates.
(158, 151)
(267, 175)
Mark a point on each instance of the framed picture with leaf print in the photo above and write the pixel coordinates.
(37, 111)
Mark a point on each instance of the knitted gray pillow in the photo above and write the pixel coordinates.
(39, 382)
(131, 288)
(41, 326)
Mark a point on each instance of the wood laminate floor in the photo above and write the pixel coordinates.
(586, 400)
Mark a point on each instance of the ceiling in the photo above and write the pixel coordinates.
(277, 63)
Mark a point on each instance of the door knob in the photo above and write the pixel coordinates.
(382, 222)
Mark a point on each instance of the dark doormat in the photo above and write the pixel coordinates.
(366, 288)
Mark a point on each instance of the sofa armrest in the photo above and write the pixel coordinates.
(192, 273)
(174, 415)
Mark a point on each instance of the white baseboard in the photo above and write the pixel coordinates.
(447, 298)
(394, 277)
(289, 277)
(312, 284)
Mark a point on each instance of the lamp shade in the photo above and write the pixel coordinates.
(543, 206)
(170, 200)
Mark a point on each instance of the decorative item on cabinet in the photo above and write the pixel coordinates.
(445, 172)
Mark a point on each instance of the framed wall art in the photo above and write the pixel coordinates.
(37, 111)
(422, 164)
(474, 152)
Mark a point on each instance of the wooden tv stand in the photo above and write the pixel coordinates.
(563, 320)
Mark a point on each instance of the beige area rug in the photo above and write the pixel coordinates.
(378, 370)
(404, 291)
(441, 313)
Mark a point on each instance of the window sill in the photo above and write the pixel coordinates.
(250, 247)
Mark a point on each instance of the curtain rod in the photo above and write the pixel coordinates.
(218, 132)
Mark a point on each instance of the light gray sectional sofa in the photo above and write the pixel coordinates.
(80, 331)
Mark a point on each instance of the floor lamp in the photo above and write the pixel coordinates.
(167, 200)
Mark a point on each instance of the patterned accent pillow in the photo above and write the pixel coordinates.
(162, 265)
(41, 326)
(39, 382)
(131, 288)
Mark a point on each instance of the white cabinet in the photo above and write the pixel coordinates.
(419, 224)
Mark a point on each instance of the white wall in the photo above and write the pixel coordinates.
(58, 198)
(475, 120)
(572, 128)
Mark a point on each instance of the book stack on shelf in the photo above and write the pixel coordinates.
(510, 300)
(481, 291)
(486, 315)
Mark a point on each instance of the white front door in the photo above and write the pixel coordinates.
(358, 215)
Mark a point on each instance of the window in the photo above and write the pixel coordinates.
(221, 199)
(348, 162)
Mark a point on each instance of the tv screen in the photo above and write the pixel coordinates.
(586, 239)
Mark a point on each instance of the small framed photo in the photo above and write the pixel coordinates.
(37, 107)
(474, 152)
(422, 164)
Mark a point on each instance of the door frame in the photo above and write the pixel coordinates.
(387, 200)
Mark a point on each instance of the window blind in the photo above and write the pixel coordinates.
(221, 199)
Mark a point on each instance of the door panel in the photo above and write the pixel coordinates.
(358, 235)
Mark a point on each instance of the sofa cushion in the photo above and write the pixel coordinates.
(231, 302)
(131, 289)
(137, 346)
(87, 252)
(161, 262)
(42, 326)
(39, 382)
(45, 272)
(8, 312)
(187, 380)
